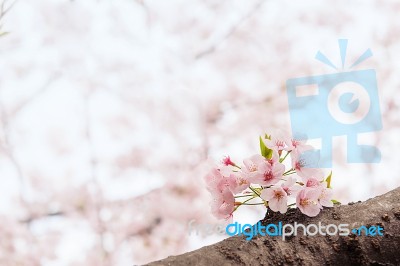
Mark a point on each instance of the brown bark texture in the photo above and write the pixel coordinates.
(383, 211)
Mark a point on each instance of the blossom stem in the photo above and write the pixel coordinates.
(264, 187)
(243, 203)
(260, 203)
(255, 192)
(282, 159)
(242, 196)
(289, 172)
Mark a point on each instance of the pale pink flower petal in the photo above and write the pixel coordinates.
(276, 197)
(307, 201)
(223, 204)
(297, 144)
(213, 179)
(254, 166)
(270, 176)
(274, 159)
(226, 170)
(301, 165)
(314, 180)
(240, 183)
(290, 186)
(277, 142)
(325, 198)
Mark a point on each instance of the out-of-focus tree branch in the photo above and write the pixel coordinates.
(96, 195)
(4, 9)
(231, 31)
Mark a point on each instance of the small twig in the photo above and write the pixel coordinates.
(4, 10)
(38, 93)
(97, 197)
(212, 48)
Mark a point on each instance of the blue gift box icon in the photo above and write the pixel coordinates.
(355, 109)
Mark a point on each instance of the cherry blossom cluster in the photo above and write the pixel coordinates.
(270, 179)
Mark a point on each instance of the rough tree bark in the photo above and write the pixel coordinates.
(383, 210)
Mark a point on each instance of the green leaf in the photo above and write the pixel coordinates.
(335, 201)
(328, 180)
(267, 153)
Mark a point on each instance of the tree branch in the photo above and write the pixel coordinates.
(383, 211)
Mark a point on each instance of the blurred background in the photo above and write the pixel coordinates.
(110, 112)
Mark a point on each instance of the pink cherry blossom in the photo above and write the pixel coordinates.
(270, 174)
(226, 180)
(254, 166)
(301, 165)
(223, 204)
(238, 183)
(214, 180)
(297, 144)
(277, 142)
(290, 186)
(227, 161)
(307, 201)
(227, 170)
(235, 181)
(276, 197)
(314, 180)
(274, 158)
(218, 179)
(325, 198)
